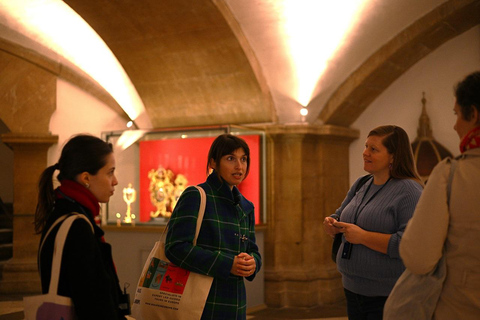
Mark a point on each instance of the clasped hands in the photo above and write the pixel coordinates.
(352, 232)
(243, 265)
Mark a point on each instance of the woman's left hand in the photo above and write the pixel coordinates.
(243, 265)
(353, 233)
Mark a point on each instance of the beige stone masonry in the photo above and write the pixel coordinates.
(308, 176)
(20, 274)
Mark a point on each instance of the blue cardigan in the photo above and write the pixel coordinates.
(369, 272)
(228, 217)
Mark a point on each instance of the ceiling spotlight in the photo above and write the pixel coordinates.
(304, 111)
(129, 124)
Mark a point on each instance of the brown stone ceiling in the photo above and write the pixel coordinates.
(191, 63)
(183, 58)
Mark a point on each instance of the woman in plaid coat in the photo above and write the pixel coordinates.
(226, 248)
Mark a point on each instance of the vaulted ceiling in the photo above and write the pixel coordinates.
(224, 61)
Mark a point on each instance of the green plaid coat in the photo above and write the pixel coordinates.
(229, 217)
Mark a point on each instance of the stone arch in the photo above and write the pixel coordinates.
(388, 63)
(250, 55)
(27, 95)
(188, 60)
(27, 102)
(29, 82)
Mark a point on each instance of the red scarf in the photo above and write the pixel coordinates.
(80, 194)
(83, 196)
(471, 140)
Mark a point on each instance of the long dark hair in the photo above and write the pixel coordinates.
(226, 144)
(82, 153)
(395, 139)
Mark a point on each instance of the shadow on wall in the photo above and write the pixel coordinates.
(6, 200)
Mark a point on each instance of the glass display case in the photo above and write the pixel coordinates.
(154, 167)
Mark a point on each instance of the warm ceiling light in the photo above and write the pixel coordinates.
(313, 31)
(129, 137)
(304, 111)
(54, 25)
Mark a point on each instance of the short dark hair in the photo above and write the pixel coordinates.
(467, 93)
(226, 144)
(395, 139)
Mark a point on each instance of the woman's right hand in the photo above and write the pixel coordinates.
(330, 229)
(243, 265)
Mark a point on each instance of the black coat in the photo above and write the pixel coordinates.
(87, 273)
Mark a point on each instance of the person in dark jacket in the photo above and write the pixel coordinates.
(226, 247)
(87, 176)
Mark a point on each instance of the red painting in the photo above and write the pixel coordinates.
(189, 157)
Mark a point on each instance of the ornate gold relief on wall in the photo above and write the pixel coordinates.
(165, 189)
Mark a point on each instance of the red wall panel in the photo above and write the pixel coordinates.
(189, 157)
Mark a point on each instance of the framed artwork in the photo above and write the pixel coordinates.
(154, 167)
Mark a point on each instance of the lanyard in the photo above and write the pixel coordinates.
(360, 207)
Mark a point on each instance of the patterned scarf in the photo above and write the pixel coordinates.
(80, 194)
(471, 140)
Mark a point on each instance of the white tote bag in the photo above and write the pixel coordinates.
(166, 291)
(51, 306)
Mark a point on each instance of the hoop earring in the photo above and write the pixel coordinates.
(87, 185)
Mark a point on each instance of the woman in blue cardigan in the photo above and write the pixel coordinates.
(372, 221)
(226, 248)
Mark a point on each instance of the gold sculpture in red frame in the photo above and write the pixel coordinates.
(165, 191)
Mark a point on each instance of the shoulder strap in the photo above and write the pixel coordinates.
(453, 166)
(48, 232)
(53, 226)
(59, 220)
(362, 181)
(58, 249)
(201, 212)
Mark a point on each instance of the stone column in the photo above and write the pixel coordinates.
(20, 274)
(308, 170)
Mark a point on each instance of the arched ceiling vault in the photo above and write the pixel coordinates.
(191, 62)
(183, 58)
(421, 38)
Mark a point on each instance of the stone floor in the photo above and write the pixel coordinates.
(11, 308)
(330, 312)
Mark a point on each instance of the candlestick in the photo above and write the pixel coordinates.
(129, 196)
(119, 222)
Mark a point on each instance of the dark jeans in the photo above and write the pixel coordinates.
(361, 307)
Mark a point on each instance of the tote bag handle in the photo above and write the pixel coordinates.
(201, 213)
(58, 249)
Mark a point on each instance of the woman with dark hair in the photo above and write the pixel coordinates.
(226, 248)
(372, 221)
(86, 172)
(438, 228)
